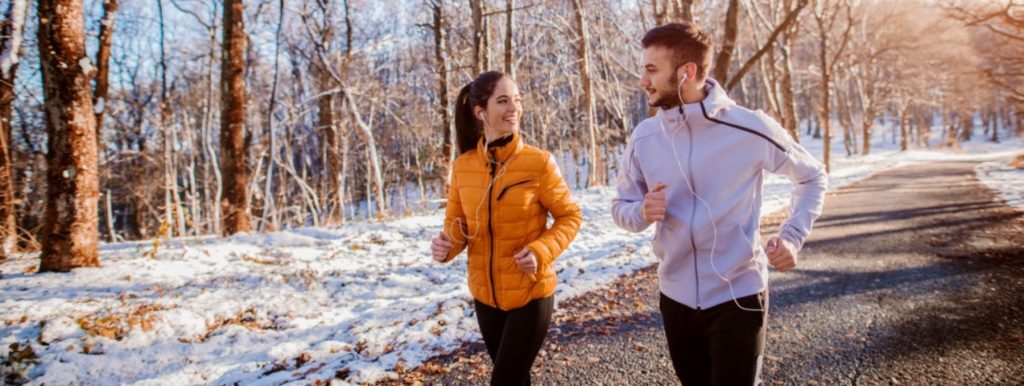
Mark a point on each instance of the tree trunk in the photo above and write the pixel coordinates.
(441, 59)
(103, 63)
(904, 129)
(595, 167)
(789, 113)
(234, 149)
(660, 14)
(270, 212)
(721, 68)
(479, 37)
(70, 232)
(374, 159)
(12, 31)
(510, 58)
(327, 126)
(825, 101)
(685, 12)
(842, 97)
(1019, 120)
(994, 124)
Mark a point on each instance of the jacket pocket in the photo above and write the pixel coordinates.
(512, 185)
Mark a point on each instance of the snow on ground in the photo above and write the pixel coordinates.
(1007, 181)
(294, 306)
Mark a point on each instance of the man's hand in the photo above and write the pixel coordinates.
(440, 246)
(654, 204)
(526, 261)
(782, 254)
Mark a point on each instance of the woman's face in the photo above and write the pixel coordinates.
(504, 108)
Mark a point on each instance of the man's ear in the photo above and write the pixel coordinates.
(683, 72)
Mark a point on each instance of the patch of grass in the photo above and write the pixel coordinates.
(117, 324)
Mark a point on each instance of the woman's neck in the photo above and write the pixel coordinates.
(491, 135)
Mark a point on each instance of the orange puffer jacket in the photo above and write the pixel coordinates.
(499, 219)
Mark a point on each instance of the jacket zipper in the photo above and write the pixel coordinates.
(693, 213)
(490, 230)
(505, 189)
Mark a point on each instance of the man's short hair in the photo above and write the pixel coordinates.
(688, 43)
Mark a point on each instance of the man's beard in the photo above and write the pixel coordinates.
(668, 99)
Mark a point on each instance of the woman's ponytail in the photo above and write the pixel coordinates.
(467, 129)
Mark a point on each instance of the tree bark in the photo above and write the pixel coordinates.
(825, 101)
(479, 37)
(789, 112)
(327, 126)
(595, 166)
(721, 69)
(768, 45)
(234, 149)
(685, 12)
(270, 213)
(374, 158)
(510, 58)
(70, 231)
(441, 60)
(12, 32)
(103, 63)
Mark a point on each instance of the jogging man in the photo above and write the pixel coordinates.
(696, 170)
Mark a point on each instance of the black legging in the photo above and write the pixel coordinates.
(514, 337)
(721, 345)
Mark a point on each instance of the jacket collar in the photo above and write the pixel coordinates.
(715, 101)
(505, 148)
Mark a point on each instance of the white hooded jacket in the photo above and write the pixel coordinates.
(723, 150)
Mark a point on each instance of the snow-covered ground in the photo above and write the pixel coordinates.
(296, 306)
(1006, 180)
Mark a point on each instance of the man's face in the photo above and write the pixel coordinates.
(659, 79)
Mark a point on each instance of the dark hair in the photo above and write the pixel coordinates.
(689, 43)
(467, 126)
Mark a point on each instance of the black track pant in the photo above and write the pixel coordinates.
(514, 337)
(721, 345)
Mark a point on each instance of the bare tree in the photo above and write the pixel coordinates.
(481, 50)
(789, 111)
(270, 214)
(321, 32)
(234, 147)
(441, 61)
(720, 70)
(1003, 49)
(12, 30)
(510, 56)
(373, 158)
(595, 167)
(826, 14)
(103, 63)
(70, 234)
(684, 9)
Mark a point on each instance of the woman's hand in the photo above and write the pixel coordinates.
(526, 261)
(440, 246)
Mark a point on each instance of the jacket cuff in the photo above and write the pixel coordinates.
(790, 235)
(541, 252)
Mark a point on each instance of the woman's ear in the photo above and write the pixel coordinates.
(478, 113)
